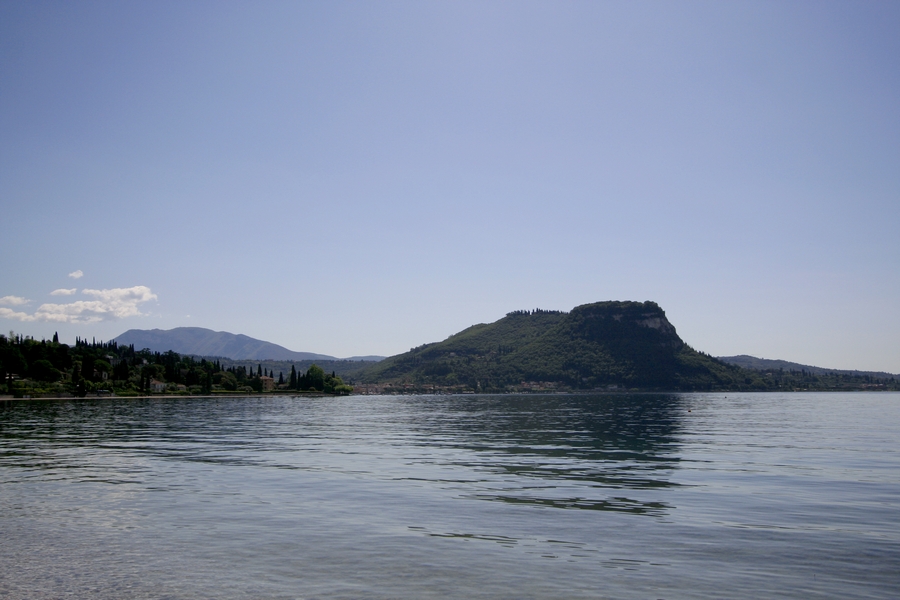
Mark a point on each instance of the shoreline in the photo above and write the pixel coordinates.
(8, 398)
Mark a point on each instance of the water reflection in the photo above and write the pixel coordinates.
(115, 440)
(590, 452)
(584, 452)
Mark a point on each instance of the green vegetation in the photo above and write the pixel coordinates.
(347, 370)
(29, 368)
(607, 345)
(316, 379)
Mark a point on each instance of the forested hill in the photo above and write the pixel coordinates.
(595, 346)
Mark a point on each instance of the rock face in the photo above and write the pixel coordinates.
(608, 321)
(620, 343)
(629, 344)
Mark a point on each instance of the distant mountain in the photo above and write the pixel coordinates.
(625, 344)
(764, 364)
(206, 342)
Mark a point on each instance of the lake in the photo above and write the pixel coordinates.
(538, 496)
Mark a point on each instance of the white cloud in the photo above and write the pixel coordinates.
(7, 313)
(76, 274)
(14, 300)
(108, 305)
(63, 292)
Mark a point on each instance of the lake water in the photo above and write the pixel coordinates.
(563, 496)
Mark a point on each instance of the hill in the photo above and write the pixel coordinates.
(602, 345)
(198, 341)
(764, 364)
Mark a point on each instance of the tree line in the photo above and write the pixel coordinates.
(32, 368)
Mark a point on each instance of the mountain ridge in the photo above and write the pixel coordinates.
(766, 364)
(199, 341)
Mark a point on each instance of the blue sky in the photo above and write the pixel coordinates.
(360, 177)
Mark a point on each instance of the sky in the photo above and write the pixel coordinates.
(353, 178)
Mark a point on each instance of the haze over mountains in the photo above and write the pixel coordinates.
(765, 364)
(199, 341)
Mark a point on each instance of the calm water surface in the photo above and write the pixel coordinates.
(593, 496)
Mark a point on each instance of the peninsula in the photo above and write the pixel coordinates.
(605, 346)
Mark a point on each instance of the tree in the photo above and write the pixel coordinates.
(87, 367)
(226, 379)
(102, 366)
(12, 361)
(43, 370)
(315, 378)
